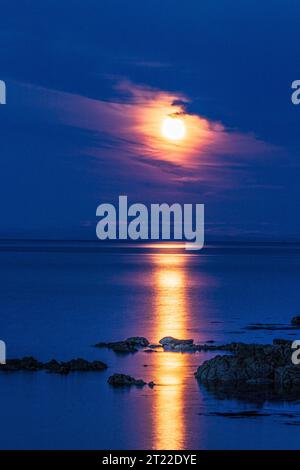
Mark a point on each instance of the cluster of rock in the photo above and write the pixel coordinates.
(253, 366)
(129, 345)
(59, 367)
(168, 343)
(187, 345)
(249, 366)
(123, 380)
(30, 364)
(173, 344)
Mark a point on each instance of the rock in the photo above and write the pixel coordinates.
(26, 363)
(31, 364)
(222, 369)
(169, 340)
(53, 366)
(123, 347)
(168, 343)
(122, 380)
(187, 345)
(119, 346)
(282, 342)
(129, 345)
(151, 384)
(180, 345)
(259, 382)
(81, 365)
(139, 341)
(288, 377)
(75, 365)
(296, 321)
(253, 366)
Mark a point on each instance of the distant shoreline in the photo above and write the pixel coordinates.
(228, 247)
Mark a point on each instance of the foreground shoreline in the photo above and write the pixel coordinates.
(246, 370)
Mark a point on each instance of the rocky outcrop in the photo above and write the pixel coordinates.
(57, 367)
(178, 345)
(288, 377)
(129, 345)
(253, 366)
(168, 343)
(122, 380)
(139, 341)
(27, 363)
(187, 345)
(75, 365)
(169, 340)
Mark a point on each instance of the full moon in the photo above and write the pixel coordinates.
(173, 128)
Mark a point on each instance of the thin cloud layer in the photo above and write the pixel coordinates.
(128, 131)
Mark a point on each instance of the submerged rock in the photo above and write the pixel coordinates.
(251, 367)
(53, 366)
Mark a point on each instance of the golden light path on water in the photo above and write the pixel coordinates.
(170, 317)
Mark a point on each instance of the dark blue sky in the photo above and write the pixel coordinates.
(82, 75)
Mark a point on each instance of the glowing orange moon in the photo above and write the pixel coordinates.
(173, 128)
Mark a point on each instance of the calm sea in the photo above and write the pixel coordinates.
(59, 299)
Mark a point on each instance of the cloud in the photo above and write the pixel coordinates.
(127, 131)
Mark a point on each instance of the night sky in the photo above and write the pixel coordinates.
(88, 83)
